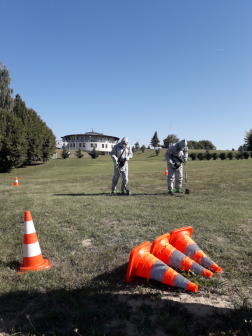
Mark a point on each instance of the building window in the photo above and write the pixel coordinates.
(84, 144)
(82, 139)
(91, 145)
(95, 145)
(106, 146)
(73, 144)
(79, 144)
(77, 139)
(102, 145)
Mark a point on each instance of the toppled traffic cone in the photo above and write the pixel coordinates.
(32, 257)
(174, 258)
(16, 182)
(143, 264)
(166, 171)
(181, 240)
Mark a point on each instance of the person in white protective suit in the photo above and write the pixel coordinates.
(175, 155)
(120, 154)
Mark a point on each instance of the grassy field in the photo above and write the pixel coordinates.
(87, 235)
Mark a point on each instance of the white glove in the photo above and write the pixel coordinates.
(185, 159)
(127, 158)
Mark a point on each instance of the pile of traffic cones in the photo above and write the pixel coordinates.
(174, 250)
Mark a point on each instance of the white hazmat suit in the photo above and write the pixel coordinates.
(174, 156)
(120, 154)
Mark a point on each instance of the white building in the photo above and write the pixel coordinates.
(87, 141)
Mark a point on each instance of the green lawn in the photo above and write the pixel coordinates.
(87, 235)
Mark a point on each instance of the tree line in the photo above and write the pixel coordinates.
(24, 136)
(202, 144)
(172, 139)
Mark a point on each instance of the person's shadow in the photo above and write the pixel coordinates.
(108, 305)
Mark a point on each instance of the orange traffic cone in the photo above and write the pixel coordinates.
(16, 182)
(181, 240)
(166, 171)
(142, 263)
(174, 258)
(32, 257)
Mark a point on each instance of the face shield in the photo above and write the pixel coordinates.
(124, 142)
(182, 144)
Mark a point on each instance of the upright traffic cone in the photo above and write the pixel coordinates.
(181, 240)
(174, 258)
(143, 264)
(32, 257)
(16, 182)
(166, 171)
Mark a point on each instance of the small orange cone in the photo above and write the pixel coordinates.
(166, 171)
(143, 264)
(32, 257)
(16, 182)
(174, 258)
(181, 240)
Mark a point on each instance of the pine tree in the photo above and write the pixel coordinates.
(248, 139)
(137, 146)
(94, 153)
(155, 140)
(64, 153)
(79, 154)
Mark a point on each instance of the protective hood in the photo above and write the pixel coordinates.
(124, 142)
(182, 144)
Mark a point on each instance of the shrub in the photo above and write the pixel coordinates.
(200, 156)
(94, 153)
(215, 156)
(223, 156)
(246, 155)
(239, 156)
(193, 156)
(208, 156)
(230, 155)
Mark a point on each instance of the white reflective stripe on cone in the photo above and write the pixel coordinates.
(31, 250)
(29, 227)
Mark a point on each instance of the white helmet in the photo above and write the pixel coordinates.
(124, 142)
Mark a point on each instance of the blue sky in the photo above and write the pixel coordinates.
(130, 68)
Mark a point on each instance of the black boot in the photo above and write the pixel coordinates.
(178, 191)
(171, 192)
